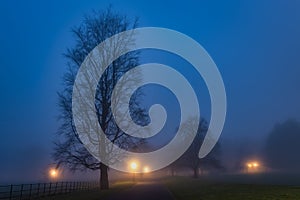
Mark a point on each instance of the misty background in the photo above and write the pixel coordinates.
(255, 45)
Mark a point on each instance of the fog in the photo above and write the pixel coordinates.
(254, 44)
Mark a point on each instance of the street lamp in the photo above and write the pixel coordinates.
(252, 166)
(53, 173)
(255, 164)
(133, 166)
(146, 169)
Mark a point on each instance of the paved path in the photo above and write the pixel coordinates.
(144, 191)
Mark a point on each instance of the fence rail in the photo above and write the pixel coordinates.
(39, 190)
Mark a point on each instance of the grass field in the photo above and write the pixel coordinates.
(189, 189)
(95, 194)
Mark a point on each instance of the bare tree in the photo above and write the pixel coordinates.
(69, 151)
(190, 158)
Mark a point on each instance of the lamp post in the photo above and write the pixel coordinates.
(53, 173)
(252, 166)
(146, 170)
(133, 166)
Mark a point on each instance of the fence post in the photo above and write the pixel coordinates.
(66, 187)
(21, 192)
(44, 192)
(30, 188)
(38, 191)
(61, 187)
(11, 192)
(49, 192)
(55, 188)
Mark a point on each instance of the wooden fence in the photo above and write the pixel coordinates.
(39, 190)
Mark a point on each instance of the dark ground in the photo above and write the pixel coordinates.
(148, 190)
(218, 187)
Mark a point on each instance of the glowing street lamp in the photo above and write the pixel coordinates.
(255, 164)
(252, 166)
(133, 166)
(53, 173)
(146, 170)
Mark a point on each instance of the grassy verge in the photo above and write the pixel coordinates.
(189, 189)
(94, 194)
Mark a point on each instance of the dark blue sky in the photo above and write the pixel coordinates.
(255, 44)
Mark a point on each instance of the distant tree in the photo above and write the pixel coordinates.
(69, 151)
(282, 146)
(190, 158)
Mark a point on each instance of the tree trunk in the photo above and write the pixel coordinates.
(104, 184)
(196, 172)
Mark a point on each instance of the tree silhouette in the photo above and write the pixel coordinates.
(282, 146)
(190, 158)
(69, 151)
